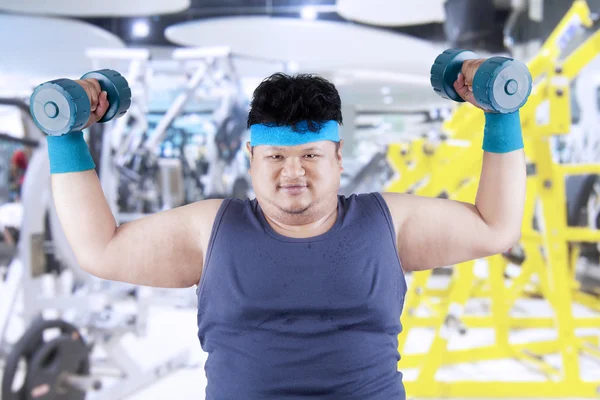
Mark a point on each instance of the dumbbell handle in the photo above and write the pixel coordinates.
(117, 89)
(500, 84)
(80, 382)
(62, 106)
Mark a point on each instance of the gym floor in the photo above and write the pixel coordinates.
(171, 330)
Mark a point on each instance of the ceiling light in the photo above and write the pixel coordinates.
(141, 29)
(388, 100)
(386, 90)
(309, 13)
(292, 67)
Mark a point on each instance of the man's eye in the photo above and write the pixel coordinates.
(311, 156)
(275, 157)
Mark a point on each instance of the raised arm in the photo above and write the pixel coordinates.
(434, 232)
(164, 250)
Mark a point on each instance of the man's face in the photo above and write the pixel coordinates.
(294, 179)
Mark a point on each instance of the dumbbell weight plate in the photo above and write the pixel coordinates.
(117, 90)
(502, 84)
(445, 69)
(59, 106)
(50, 363)
(25, 349)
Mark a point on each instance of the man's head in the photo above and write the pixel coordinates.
(296, 157)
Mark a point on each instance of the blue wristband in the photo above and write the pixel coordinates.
(69, 153)
(502, 132)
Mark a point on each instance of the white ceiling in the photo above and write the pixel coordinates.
(314, 45)
(360, 60)
(104, 8)
(392, 13)
(372, 69)
(39, 48)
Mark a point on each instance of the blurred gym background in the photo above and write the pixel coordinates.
(524, 324)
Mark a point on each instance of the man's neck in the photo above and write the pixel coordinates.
(318, 226)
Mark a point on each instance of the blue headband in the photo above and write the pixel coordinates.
(273, 135)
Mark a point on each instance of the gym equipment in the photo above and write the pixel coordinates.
(55, 369)
(500, 84)
(8, 145)
(137, 164)
(79, 298)
(61, 106)
(547, 257)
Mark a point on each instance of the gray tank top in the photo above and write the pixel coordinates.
(290, 318)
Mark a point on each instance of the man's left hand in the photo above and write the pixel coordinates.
(464, 83)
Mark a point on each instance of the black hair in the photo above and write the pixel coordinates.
(287, 100)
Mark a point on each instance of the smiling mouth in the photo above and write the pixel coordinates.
(293, 189)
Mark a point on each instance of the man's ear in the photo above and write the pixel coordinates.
(339, 154)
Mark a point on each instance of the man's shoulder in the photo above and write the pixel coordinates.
(229, 204)
(361, 198)
(367, 203)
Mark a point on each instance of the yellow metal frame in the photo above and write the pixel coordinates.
(428, 169)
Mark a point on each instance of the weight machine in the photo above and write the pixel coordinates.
(55, 298)
(210, 74)
(58, 295)
(138, 180)
(449, 167)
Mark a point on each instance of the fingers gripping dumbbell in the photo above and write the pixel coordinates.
(500, 84)
(62, 105)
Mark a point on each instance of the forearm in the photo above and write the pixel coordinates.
(501, 194)
(82, 209)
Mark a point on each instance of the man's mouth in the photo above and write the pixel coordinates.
(293, 189)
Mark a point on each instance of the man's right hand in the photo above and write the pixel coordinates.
(98, 100)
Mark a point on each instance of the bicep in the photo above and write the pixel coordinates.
(435, 232)
(161, 250)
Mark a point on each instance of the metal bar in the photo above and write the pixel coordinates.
(8, 295)
(489, 321)
(493, 352)
(508, 389)
(319, 8)
(584, 54)
(175, 109)
(582, 235)
(4, 137)
(580, 169)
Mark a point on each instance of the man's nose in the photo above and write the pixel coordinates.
(292, 168)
